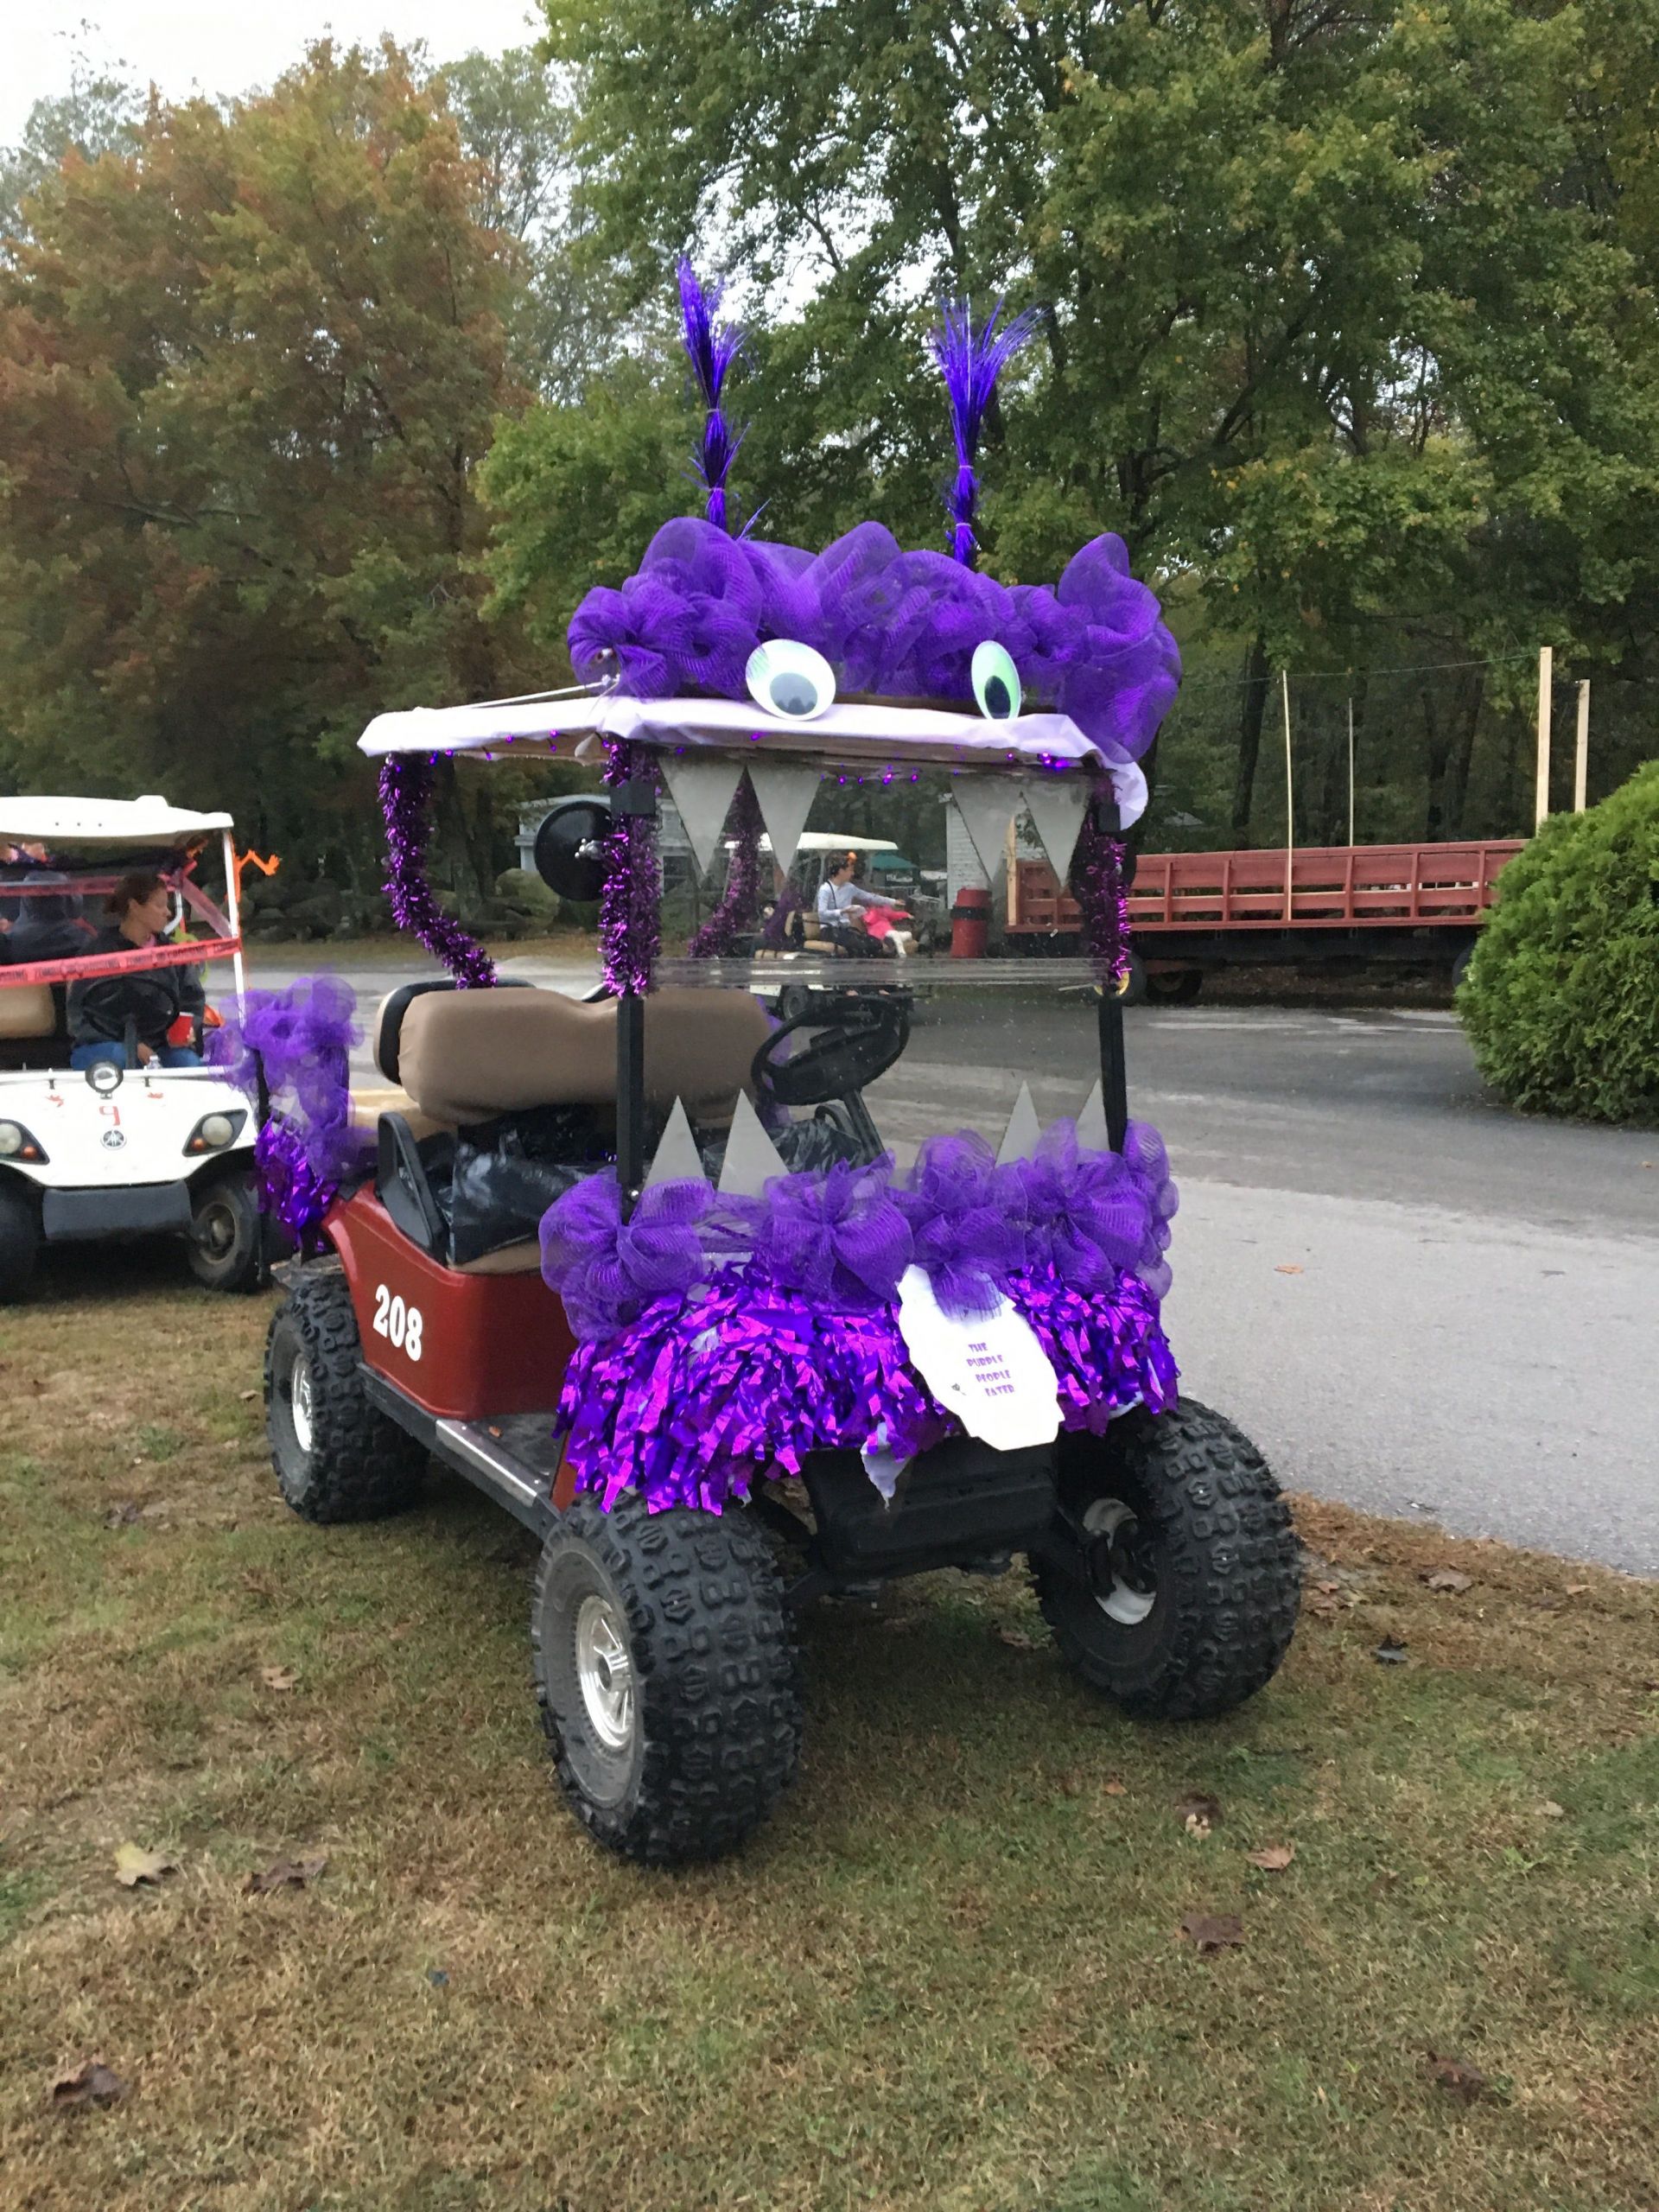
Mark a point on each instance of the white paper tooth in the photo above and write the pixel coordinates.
(703, 791)
(1056, 807)
(751, 1159)
(987, 805)
(678, 1158)
(1020, 1138)
(1092, 1123)
(786, 791)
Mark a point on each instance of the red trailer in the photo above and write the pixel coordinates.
(1413, 904)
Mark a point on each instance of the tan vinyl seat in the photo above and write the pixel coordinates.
(26, 1010)
(464, 1056)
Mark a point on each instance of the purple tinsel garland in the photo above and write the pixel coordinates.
(1098, 884)
(302, 1037)
(723, 1338)
(902, 624)
(405, 801)
(739, 902)
(970, 362)
(630, 927)
(711, 348)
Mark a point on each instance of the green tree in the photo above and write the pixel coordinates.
(98, 114)
(247, 374)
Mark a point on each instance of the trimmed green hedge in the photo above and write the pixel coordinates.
(1561, 1000)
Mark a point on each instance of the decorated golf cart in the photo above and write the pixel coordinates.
(127, 1147)
(651, 1269)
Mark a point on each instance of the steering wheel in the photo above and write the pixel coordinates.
(858, 1040)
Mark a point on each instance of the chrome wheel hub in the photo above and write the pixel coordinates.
(1126, 1589)
(299, 1399)
(604, 1672)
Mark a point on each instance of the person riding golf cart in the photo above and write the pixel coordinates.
(644, 1269)
(112, 1125)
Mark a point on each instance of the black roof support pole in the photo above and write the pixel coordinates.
(1114, 1069)
(634, 796)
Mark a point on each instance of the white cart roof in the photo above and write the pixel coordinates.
(916, 736)
(146, 822)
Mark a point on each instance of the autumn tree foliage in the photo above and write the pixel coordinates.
(248, 363)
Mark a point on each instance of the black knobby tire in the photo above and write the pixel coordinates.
(225, 1224)
(1178, 989)
(20, 1239)
(1180, 1510)
(712, 1735)
(337, 1457)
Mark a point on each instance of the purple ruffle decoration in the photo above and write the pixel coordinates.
(607, 1270)
(899, 625)
(836, 1239)
(303, 1037)
(630, 927)
(1147, 1163)
(970, 362)
(405, 802)
(739, 902)
(1082, 1216)
(967, 1234)
(711, 346)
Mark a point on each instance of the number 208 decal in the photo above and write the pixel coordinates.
(399, 1324)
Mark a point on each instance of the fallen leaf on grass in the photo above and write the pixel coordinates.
(91, 2084)
(1015, 1638)
(1390, 1655)
(1576, 1589)
(1448, 1579)
(1288, 1267)
(283, 1874)
(247, 1396)
(1551, 1811)
(1273, 1858)
(279, 1678)
(133, 1864)
(1199, 1812)
(1113, 1788)
(1213, 1931)
(1323, 1604)
(1456, 2078)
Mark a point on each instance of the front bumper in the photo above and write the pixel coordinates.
(137, 1210)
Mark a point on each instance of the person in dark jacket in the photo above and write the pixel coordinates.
(151, 999)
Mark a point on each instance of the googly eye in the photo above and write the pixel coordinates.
(996, 682)
(791, 679)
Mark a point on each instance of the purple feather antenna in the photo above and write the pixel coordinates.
(970, 362)
(711, 346)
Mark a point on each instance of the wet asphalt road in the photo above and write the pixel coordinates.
(1415, 1301)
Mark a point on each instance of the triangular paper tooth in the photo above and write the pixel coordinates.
(1021, 1138)
(1056, 807)
(751, 1159)
(986, 804)
(786, 791)
(702, 792)
(1092, 1133)
(678, 1158)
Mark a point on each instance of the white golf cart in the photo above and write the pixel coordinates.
(118, 1151)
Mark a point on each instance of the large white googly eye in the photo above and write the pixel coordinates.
(791, 679)
(996, 682)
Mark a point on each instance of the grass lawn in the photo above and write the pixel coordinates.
(950, 1973)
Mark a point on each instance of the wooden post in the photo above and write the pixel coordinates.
(1546, 675)
(1351, 772)
(1290, 810)
(1581, 757)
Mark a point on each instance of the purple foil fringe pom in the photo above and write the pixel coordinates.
(721, 1339)
(739, 902)
(630, 928)
(711, 348)
(902, 624)
(405, 801)
(303, 1037)
(970, 362)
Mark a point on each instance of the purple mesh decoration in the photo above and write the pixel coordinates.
(970, 362)
(630, 927)
(303, 1037)
(405, 801)
(890, 624)
(1099, 886)
(739, 902)
(711, 348)
(774, 1331)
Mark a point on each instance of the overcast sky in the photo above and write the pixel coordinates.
(221, 46)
